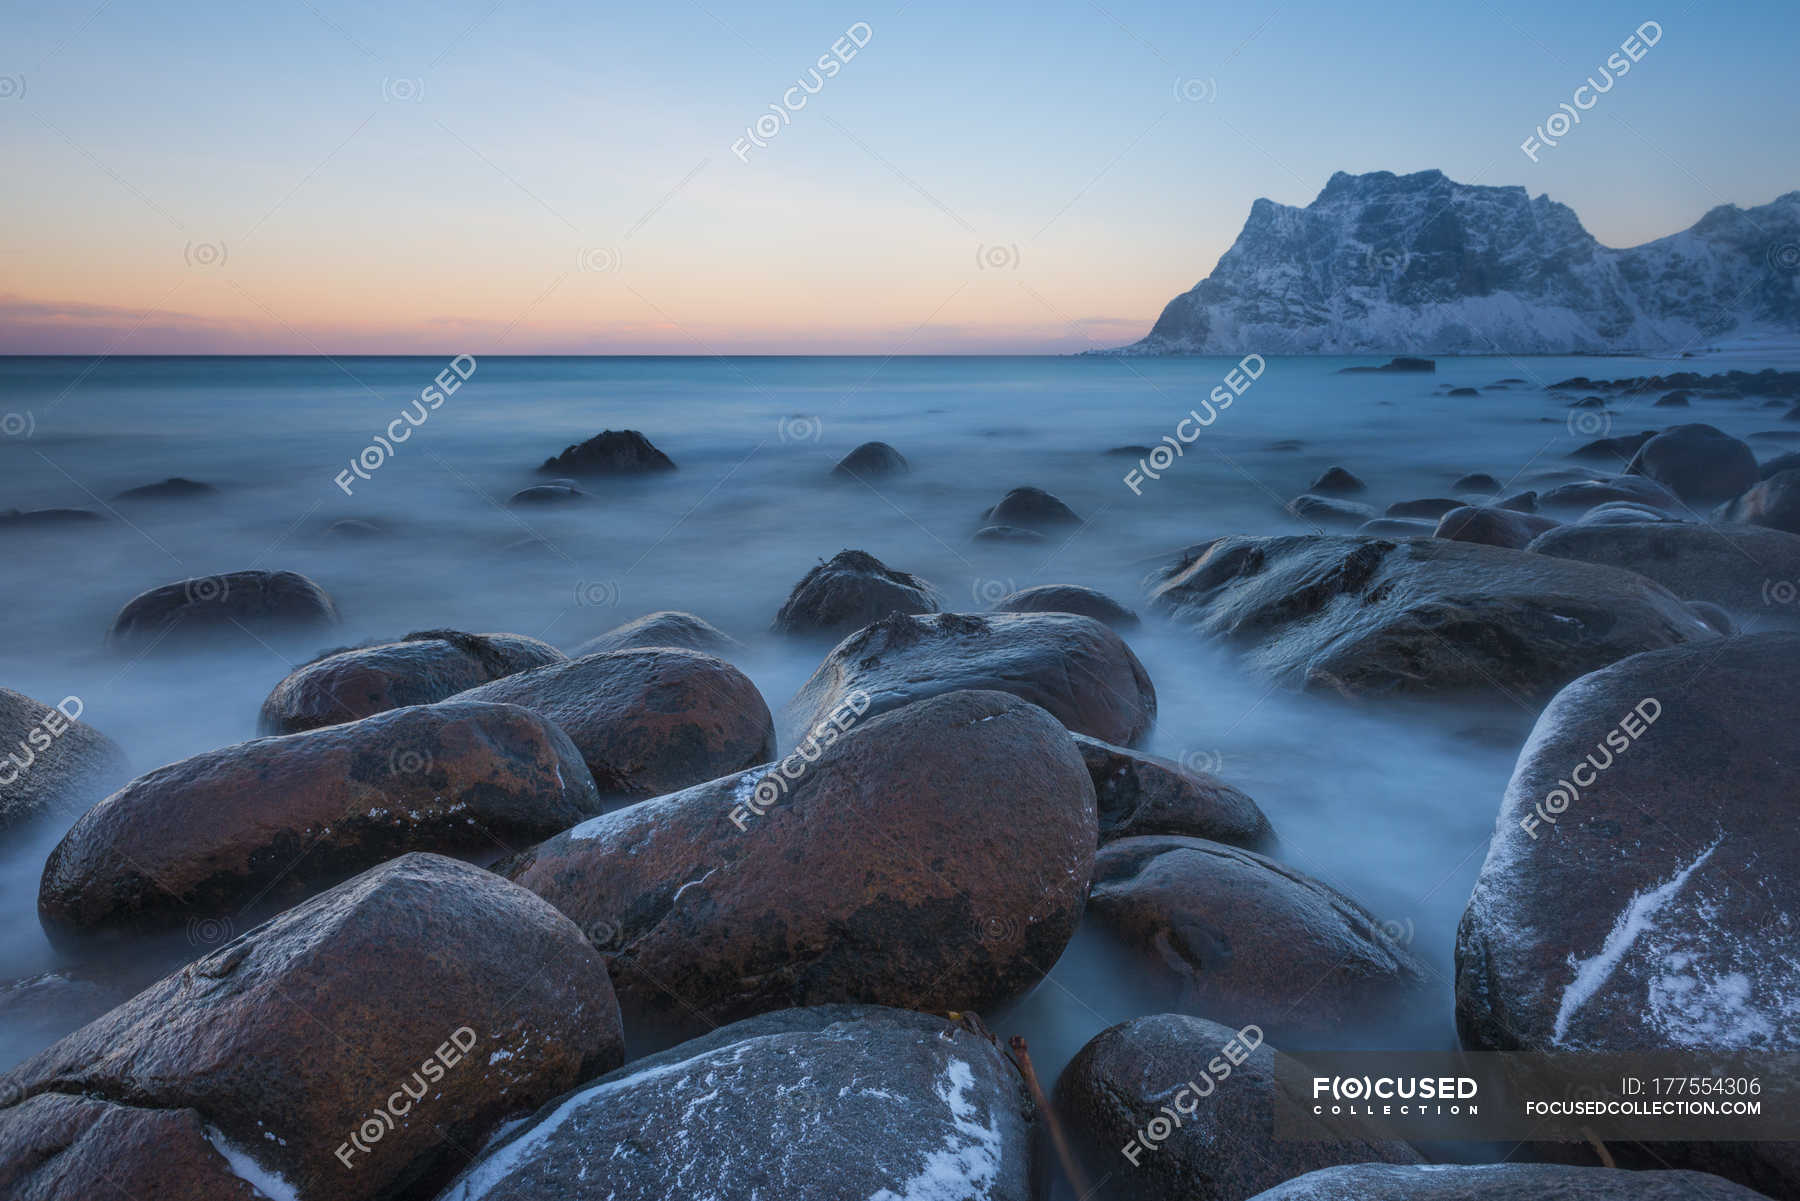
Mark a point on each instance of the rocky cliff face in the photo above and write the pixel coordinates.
(1385, 263)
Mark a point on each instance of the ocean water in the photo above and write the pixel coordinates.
(1395, 807)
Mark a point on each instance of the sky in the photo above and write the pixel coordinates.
(546, 176)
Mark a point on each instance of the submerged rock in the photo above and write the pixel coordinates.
(647, 721)
(1502, 1182)
(1479, 481)
(849, 592)
(1336, 481)
(1492, 527)
(1402, 364)
(32, 519)
(421, 669)
(610, 452)
(1221, 1083)
(1142, 794)
(1075, 667)
(1430, 508)
(1697, 462)
(1005, 533)
(1325, 510)
(1069, 598)
(173, 488)
(1370, 616)
(1229, 933)
(893, 1105)
(670, 627)
(871, 460)
(51, 762)
(758, 891)
(543, 495)
(1631, 489)
(1613, 450)
(1032, 508)
(378, 1027)
(278, 818)
(1775, 503)
(1739, 567)
(222, 608)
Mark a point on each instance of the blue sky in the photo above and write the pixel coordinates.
(305, 175)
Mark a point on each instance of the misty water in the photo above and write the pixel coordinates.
(1392, 805)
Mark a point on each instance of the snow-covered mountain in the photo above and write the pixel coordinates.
(1398, 264)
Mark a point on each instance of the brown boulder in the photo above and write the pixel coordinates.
(1371, 616)
(50, 761)
(1241, 938)
(276, 819)
(1076, 668)
(65, 1148)
(351, 1045)
(1069, 598)
(669, 627)
(647, 721)
(610, 452)
(235, 607)
(934, 858)
(847, 593)
(420, 669)
(1740, 567)
(1141, 794)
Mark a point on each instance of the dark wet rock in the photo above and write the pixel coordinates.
(355, 528)
(547, 495)
(1775, 503)
(1221, 1083)
(1697, 462)
(1672, 400)
(1336, 481)
(1141, 794)
(1502, 1182)
(1714, 616)
(1492, 527)
(234, 606)
(1075, 667)
(758, 891)
(1006, 533)
(1792, 414)
(1588, 402)
(37, 519)
(1623, 512)
(1463, 392)
(1428, 509)
(1478, 481)
(848, 592)
(1368, 616)
(671, 627)
(173, 488)
(55, 1147)
(276, 819)
(1069, 598)
(894, 1104)
(1129, 452)
(1398, 527)
(1780, 463)
(1227, 932)
(647, 721)
(1403, 363)
(871, 460)
(1031, 508)
(1731, 566)
(1519, 502)
(1585, 494)
(51, 762)
(1613, 450)
(611, 452)
(288, 1039)
(1326, 510)
(1508, 381)
(421, 669)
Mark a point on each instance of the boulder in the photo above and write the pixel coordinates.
(32, 519)
(1176, 1108)
(1369, 616)
(1459, 392)
(1032, 509)
(892, 1105)
(1336, 481)
(1492, 527)
(1402, 364)
(670, 627)
(1519, 502)
(1739, 567)
(1612, 450)
(1325, 510)
(1780, 463)
(1398, 527)
(1430, 509)
(53, 762)
(1073, 666)
(848, 592)
(173, 488)
(1141, 794)
(1479, 481)
(277, 819)
(1006, 533)
(70, 1148)
(647, 721)
(547, 495)
(1623, 512)
(346, 1049)
(1069, 598)
(1697, 462)
(1585, 494)
(871, 460)
(1774, 502)
(223, 608)
(420, 669)
(1677, 399)
(761, 891)
(1502, 1182)
(1230, 933)
(610, 452)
